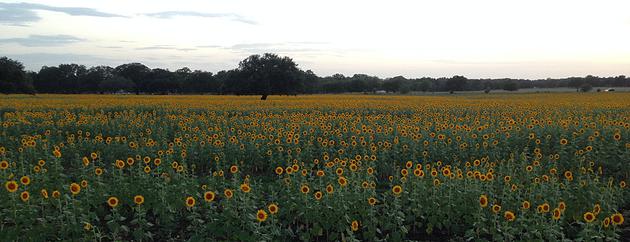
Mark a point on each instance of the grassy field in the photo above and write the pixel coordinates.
(315, 167)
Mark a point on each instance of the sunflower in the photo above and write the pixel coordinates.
(57, 153)
(342, 181)
(25, 180)
(112, 202)
(4, 165)
(434, 172)
(617, 219)
(545, 207)
(330, 189)
(190, 202)
(529, 168)
(228, 193)
(354, 225)
(404, 172)
(509, 216)
(261, 215)
(87, 226)
(138, 199)
(98, 171)
(233, 169)
(372, 201)
(436, 182)
(446, 172)
(556, 213)
(489, 176)
(130, 161)
(525, 205)
(617, 136)
(496, 208)
(606, 222)
(589, 217)
(25, 196)
(157, 161)
(304, 189)
(273, 208)
(44, 193)
(209, 196)
(416, 172)
(75, 188)
(56, 194)
(339, 171)
(597, 208)
(397, 190)
(94, 156)
(353, 167)
(483, 201)
(568, 175)
(564, 141)
(318, 195)
(245, 188)
(279, 170)
(147, 169)
(370, 170)
(320, 173)
(120, 164)
(84, 183)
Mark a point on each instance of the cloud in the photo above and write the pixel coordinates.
(111, 47)
(43, 40)
(281, 47)
(208, 46)
(34, 61)
(20, 14)
(173, 14)
(164, 47)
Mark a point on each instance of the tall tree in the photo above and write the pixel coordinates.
(456, 83)
(71, 77)
(48, 79)
(396, 84)
(13, 78)
(269, 74)
(95, 75)
(135, 72)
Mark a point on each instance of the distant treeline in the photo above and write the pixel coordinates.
(262, 75)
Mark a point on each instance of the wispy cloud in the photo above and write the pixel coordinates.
(173, 14)
(20, 14)
(164, 47)
(208, 46)
(43, 40)
(281, 47)
(111, 47)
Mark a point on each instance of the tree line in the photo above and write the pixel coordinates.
(267, 74)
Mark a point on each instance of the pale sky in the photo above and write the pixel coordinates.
(475, 38)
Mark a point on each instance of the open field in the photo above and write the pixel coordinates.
(530, 90)
(315, 167)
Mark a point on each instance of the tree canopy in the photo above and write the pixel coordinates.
(267, 74)
(13, 78)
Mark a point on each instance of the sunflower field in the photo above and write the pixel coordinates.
(504, 167)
